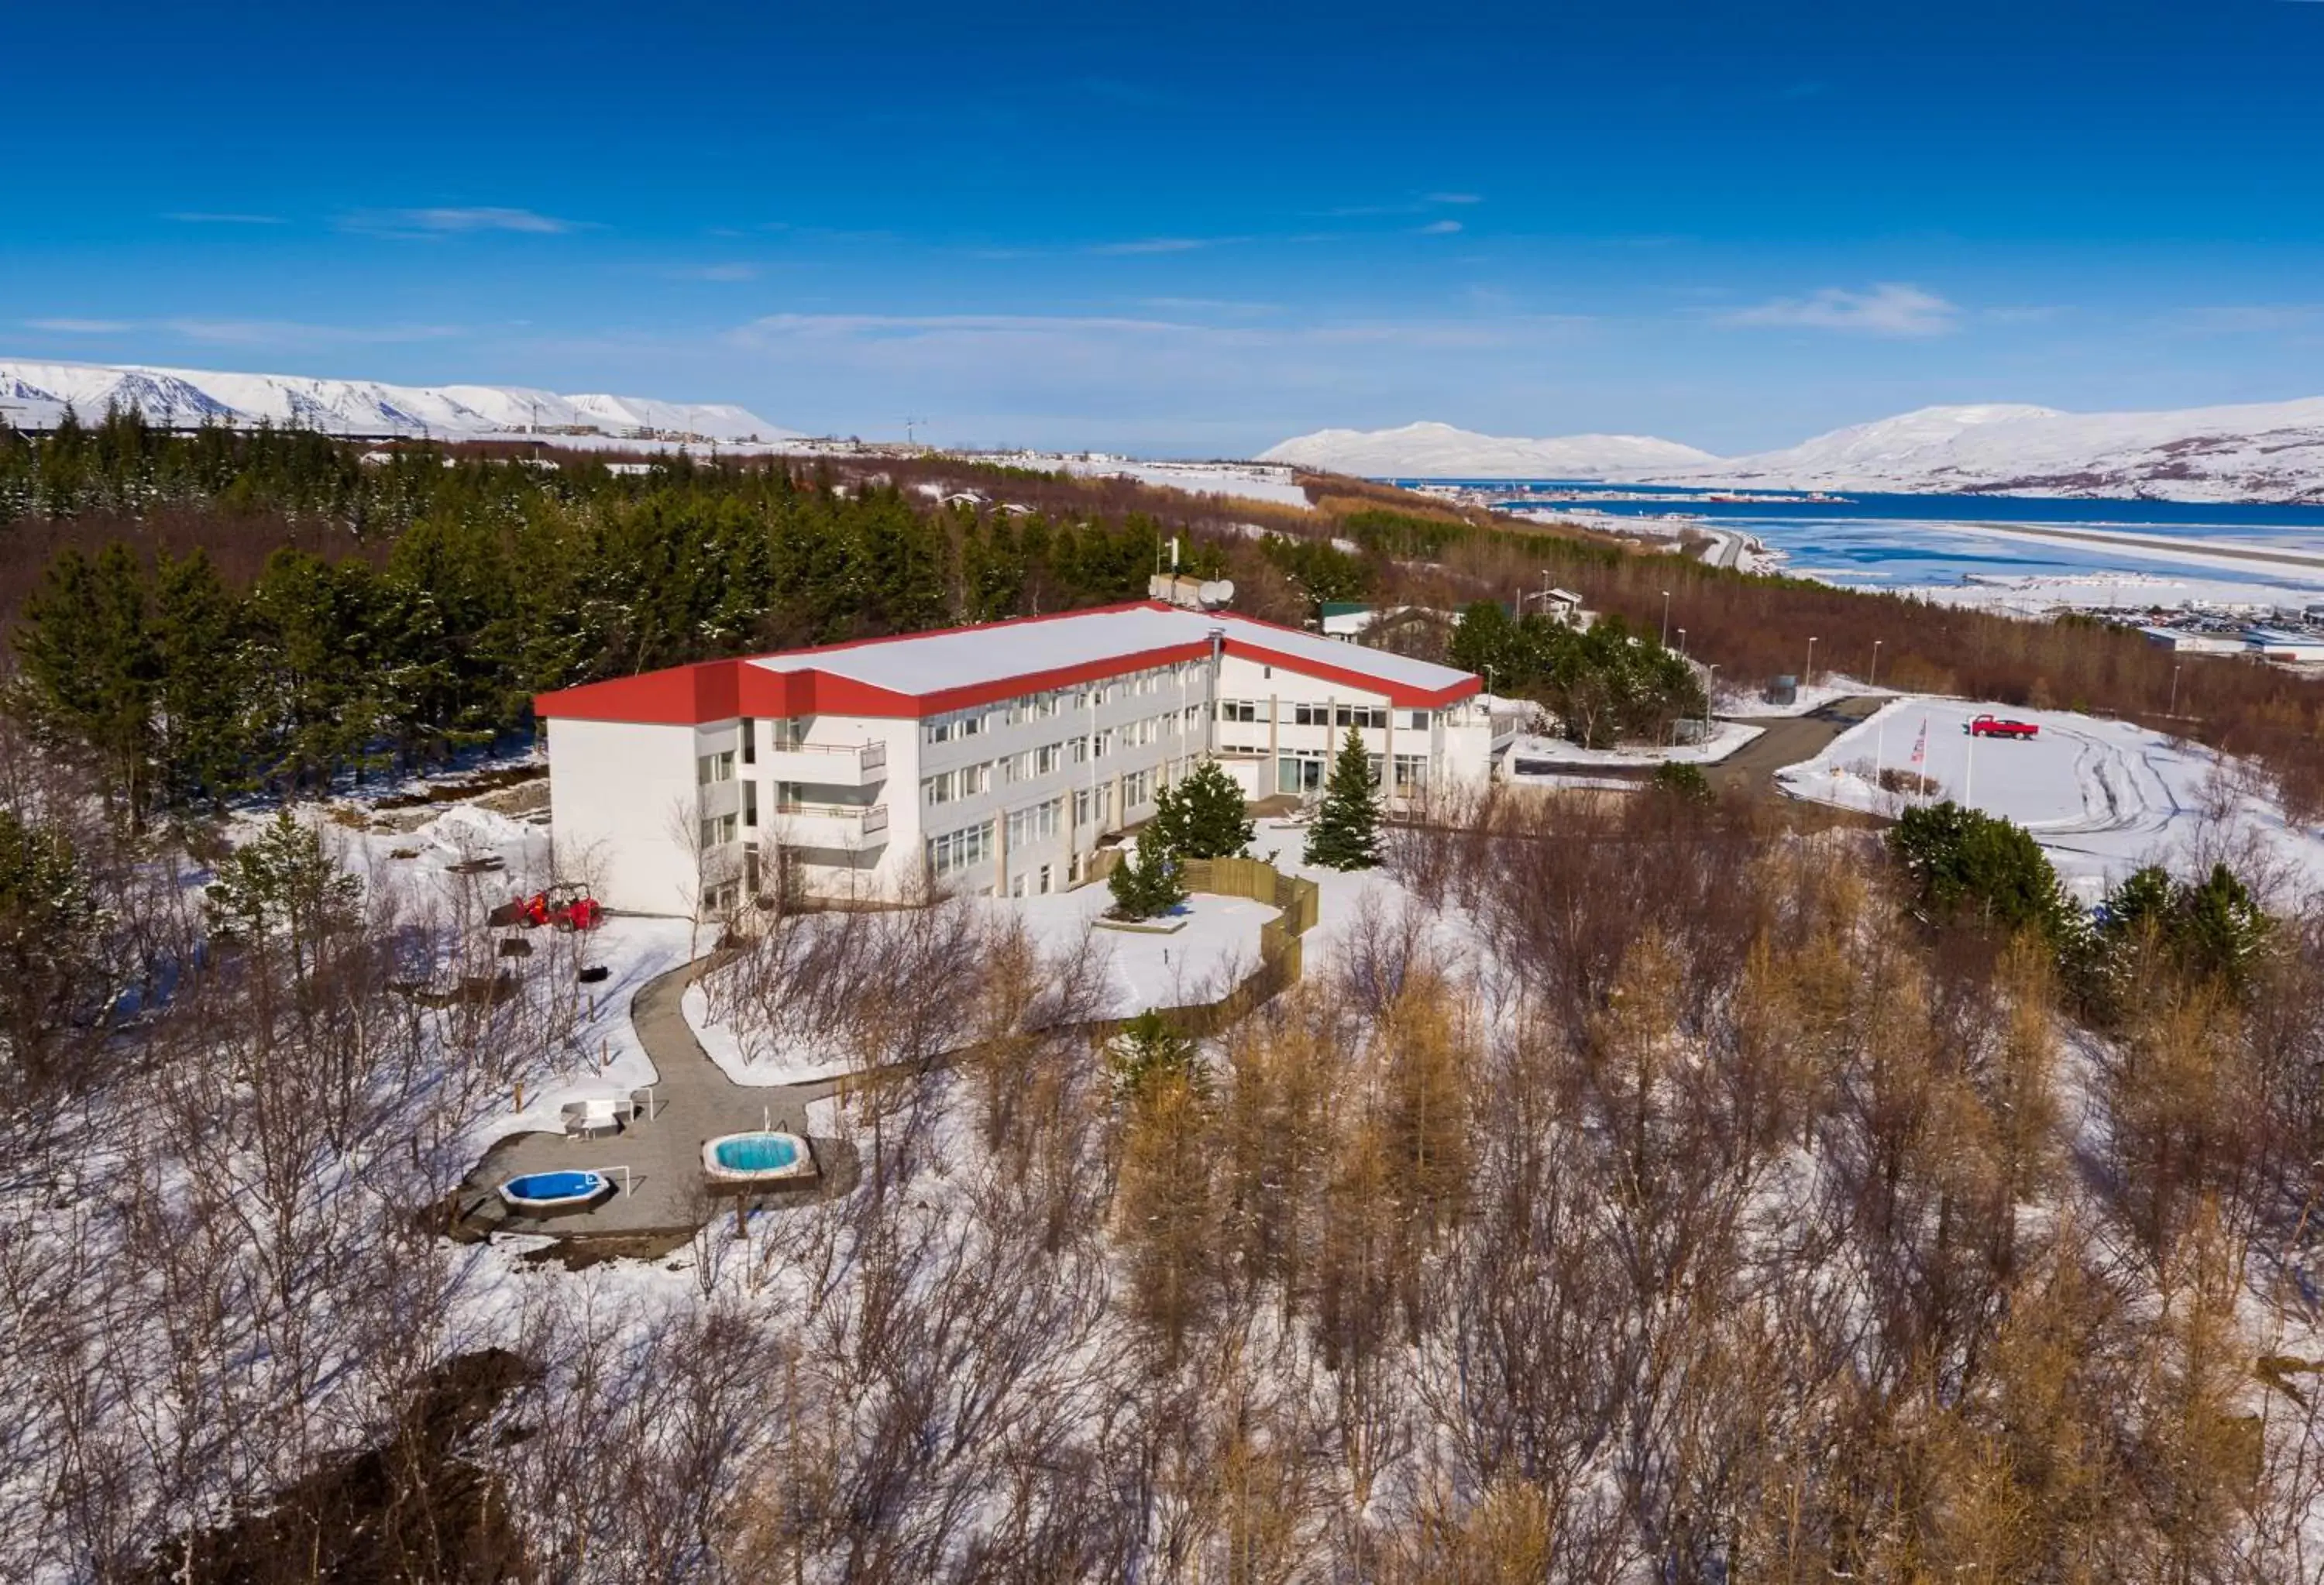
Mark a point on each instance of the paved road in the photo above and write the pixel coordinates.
(694, 1102)
(1787, 740)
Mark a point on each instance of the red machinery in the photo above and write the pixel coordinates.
(565, 905)
(2001, 727)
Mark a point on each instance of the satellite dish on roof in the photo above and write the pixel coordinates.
(1217, 592)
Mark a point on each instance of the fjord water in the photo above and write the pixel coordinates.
(1881, 540)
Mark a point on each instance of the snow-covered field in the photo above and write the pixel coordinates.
(1216, 946)
(2040, 594)
(1248, 481)
(2101, 796)
(1726, 737)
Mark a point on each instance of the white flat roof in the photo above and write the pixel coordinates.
(957, 657)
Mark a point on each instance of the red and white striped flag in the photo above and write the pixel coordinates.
(1921, 743)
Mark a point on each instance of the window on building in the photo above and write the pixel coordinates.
(1411, 772)
(1300, 771)
(1047, 758)
(1420, 720)
(717, 830)
(1102, 744)
(1038, 823)
(749, 803)
(750, 742)
(1137, 788)
(955, 851)
(713, 769)
(1238, 710)
(951, 729)
(1363, 715)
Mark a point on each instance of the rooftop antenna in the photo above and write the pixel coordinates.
(910, 426)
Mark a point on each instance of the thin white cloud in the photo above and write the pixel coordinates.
(1438, 228)
(215, 217)
(1160, 244)
(1456, 197)
(80, 327)
(1212, 305)
(1891, 307)
(290, 332)
(450, 221)
(2250, 318)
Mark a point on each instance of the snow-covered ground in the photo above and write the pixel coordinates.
(2040, 594)
(1806, 699)
(1248, 481)
(2101, 796)
(1726, 737)
(1215, 946)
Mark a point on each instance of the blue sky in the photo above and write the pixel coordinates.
(1192, 228)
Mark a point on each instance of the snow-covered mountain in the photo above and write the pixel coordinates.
(35, 395)
(1440, 451)
(2261, 452)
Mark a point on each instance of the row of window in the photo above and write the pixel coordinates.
(955, 851)
(969, 723)
(1047, 758)
(1303, 770)
(965, 849)
(1374, 716)
(1027, 827)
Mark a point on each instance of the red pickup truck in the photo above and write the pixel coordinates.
(2001, 727)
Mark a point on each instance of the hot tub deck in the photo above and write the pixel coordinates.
(694, 1102)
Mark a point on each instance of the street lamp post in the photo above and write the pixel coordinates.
(1874, 681)
(1682, 640)
(1709, 696)
(1811, 676)
(2174, 691)
(1665, 619)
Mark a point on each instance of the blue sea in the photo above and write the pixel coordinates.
(1875, 540)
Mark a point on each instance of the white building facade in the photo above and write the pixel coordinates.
(990, 758)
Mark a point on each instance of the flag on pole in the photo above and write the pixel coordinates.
(1920, 745)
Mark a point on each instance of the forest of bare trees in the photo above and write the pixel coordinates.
(1643, 1189)
(1556, 1227)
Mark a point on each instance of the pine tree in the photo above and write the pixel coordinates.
(49, 922)
(1346, 832)
(199, 689)
(1202, 816)
(280, 884)
(1147, 885)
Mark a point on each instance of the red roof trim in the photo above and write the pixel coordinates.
(720, 690)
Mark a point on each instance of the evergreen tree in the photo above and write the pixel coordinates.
(200, 690)
(87, 655)
(1146, 885)
(1346, 832)
(1148, 1051)
(1964, 862)
(280, 884)
(1202, 816)
(2213, 929)
(50, 928)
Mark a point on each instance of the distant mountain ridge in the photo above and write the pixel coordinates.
(1430, 450)
(2262, 452)
(35, 395)
(2272, 451)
